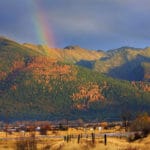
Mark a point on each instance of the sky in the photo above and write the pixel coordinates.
(91, 24)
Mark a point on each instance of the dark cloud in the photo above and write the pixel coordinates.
(93, 24)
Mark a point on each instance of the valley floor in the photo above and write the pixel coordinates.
(55, 141)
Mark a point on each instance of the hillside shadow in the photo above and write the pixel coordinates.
(132, 70)
(86, 63)
(9, 80)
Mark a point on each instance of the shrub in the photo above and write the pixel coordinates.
(26, 144)
(141, 123)
(134, 137)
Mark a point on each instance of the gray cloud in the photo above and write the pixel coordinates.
(90, 23)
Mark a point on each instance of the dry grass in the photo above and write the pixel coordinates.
(113, 144)
(85, 143)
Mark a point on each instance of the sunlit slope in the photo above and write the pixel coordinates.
(12, 56)
(76, 54)
(70, 54)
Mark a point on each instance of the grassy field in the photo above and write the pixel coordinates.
(21, 141)
(59, 144)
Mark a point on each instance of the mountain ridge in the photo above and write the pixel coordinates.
(100, 61)
(37, 82)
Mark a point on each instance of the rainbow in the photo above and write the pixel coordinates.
(42, 26)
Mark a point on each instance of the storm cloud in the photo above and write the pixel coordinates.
(93, 24)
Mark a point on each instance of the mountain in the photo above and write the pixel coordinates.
(37, 82)
(70, 54)
(125, 63)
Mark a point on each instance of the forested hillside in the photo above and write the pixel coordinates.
(36, 85)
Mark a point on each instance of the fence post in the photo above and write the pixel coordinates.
(67, 138)
(93, 138)
(78, 138)
(105, 139)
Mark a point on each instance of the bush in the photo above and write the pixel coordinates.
(141, 123)
(134, 137)
(44, 129)
(26, 144)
